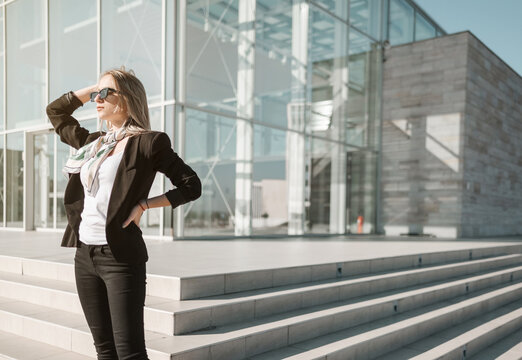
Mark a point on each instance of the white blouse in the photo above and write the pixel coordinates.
(94, 214)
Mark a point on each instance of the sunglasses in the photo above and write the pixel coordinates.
(103, 93)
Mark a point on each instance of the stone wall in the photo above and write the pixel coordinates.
(492, 197)
(448, 132)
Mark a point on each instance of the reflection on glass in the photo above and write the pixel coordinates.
(211, 152)
(401, 22)
(361, 184)
(363, 97)
(329, 58)
(26, 63)
(2, 59)
(423, 29)
(170, 51)
(43, 180)
(212, 54)
(72, 48)
(365, 16)
(15, 179)
(270, 183)
(320, 163)
(131, 36)
(363, 127)
(2, 183)
(273, 73)
(337, 7)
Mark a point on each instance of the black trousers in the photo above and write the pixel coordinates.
(112, 296)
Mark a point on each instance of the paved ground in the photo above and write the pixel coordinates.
(198, 257)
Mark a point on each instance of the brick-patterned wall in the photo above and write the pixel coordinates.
(492, 197)
(451, 124)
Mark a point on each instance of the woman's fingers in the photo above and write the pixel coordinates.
(134, 215)
(137, 220)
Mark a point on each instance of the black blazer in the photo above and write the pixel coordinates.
(144, 155)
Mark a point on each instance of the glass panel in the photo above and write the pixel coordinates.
(72, 26)
(319, 177)
(212, 54)
(423, 29)
(363, 93)
(273, 58)
(131, 36)
(170, 52)
(329, 62)
(401, 22)
(15, 179)
(43, 180)
(365, 16)
(270, 183)
(363, 127)
(211, 153)
(361, 170)
(90, 125)
(150, 220)
(2, 59)
(25, 63)
(155, 118)
(168, 213)
(2, 181)
(339, 8)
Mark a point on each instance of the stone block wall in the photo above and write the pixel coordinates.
(438, 132)
(492, 197)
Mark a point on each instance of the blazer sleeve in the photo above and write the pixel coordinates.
(166, 161)
(59, 112)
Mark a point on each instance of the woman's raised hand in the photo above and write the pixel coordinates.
(85, 94)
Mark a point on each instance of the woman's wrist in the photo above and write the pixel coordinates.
(143, 204)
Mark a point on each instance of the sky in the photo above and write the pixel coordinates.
(497, 23)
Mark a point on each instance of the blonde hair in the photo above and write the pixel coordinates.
(132, 98)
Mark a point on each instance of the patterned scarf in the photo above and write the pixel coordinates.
(97, 149)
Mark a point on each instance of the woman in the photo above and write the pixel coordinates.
(110, 177)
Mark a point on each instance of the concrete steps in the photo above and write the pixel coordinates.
(174, 317)
(194, 287)
(463, 341)
(369, 341)
(514, 352)
(15, 347)
(254, 317)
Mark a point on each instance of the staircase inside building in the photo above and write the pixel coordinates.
(460, 304)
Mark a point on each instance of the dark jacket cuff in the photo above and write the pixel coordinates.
(175, 198)
(65, 104)
(74, 100)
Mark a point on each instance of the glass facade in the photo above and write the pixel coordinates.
(275, 104)
(25, 61)
(407, 22)
(72, 47)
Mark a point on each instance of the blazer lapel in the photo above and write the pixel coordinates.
(124, 177)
